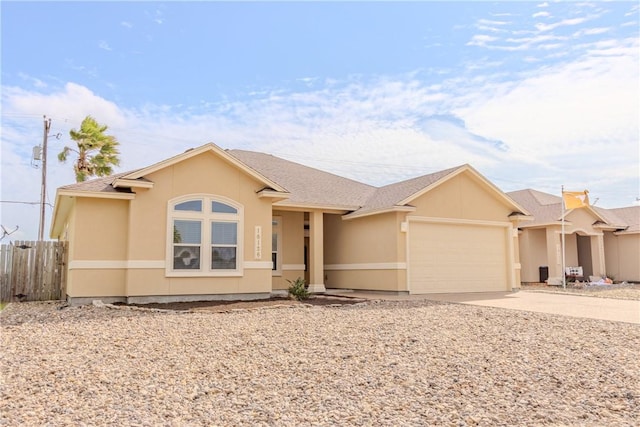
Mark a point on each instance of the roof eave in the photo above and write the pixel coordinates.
(545, 224)
(97, 194)
(288, 205)
(626, 232)
(276, 196)
(131, 183)
(371, 212)
(61, 208)
(519, 216)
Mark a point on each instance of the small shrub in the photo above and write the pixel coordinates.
(298, 289)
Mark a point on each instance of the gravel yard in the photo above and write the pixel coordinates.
(378, 363)
(628, 291)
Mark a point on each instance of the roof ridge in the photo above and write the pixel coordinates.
(393, 193)
(231, 151)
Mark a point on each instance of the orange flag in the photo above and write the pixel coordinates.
(575, 199)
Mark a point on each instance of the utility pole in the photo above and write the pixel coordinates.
(43, 188)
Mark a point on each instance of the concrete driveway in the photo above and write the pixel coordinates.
(567, 305)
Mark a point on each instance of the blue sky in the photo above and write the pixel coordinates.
(532, 94)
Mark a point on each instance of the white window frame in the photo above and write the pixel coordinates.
(277, 230)
(206, 217)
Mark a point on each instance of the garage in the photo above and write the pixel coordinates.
(458, 257)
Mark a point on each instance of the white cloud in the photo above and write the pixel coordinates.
(481, 40)
(104, 45)
(35, 81)
(563, 23)
(591, 31)
(541, 15)
(573, 123)
(581, 118)
(126, 24)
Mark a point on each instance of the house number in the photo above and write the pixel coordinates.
(258, 242)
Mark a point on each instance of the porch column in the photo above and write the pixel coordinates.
(515, 241)
(316, 252)
(597, 256)
(554, 252)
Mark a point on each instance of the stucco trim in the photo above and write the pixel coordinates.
(293, 267)
(131, 183)
(357, 214)
(96, 194)
(458, 221)
(309, 207)
(367, 266)
(258, 265)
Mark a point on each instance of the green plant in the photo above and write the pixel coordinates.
(298, 289)
(97, 152)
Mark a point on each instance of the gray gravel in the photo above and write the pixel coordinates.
(381, 363)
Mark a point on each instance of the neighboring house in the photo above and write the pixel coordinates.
(228, 224)
(601, 241)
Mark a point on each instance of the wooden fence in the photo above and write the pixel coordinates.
(32, 271)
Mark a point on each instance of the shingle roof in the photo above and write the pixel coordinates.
(307, 186)
(547, 208)
(544, 208)
(392, 194)
(631, 216)
(99, 184)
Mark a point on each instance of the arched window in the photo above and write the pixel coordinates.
(205, 234)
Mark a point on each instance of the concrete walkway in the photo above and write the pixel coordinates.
(567, 305)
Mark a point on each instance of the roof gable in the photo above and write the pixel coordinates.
(211, 147)
(400, 195)
(547, 209)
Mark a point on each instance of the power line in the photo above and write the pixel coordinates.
(25, 203)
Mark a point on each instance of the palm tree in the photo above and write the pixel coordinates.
(97, 152)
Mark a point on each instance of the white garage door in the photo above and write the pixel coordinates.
(457, 258)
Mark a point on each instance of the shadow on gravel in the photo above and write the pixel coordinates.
(319, 300)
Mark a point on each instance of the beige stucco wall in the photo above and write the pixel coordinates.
(96, 282)
(371, 239)
(100, 229)
(130, 236)
(363, 253)
(203, 174)
(533, 254)
(462, 197)
(622, 253)
(96, 231)
(371, 252)
(542, 246)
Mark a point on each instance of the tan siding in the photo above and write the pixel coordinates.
(371, 239)
(622, 253)
(97, 283)
(359, 246)
(140, 233)
(100, 229)
(461, 197)
(374, 280)
(533, 254)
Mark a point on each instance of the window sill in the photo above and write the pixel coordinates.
(204, 274)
